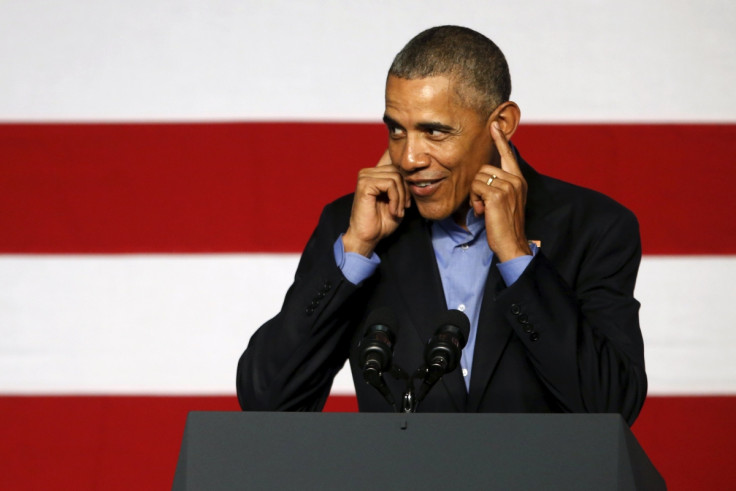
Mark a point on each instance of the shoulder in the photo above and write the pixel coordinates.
(575, 221)
(343, 203)
(585, 199)
(548, 194)
(338, 211)
(334, 218)
(582, 206)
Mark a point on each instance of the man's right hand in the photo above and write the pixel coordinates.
(380, 199)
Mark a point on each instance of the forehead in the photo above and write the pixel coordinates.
(422, 98)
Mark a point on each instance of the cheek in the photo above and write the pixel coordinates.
(394, 152)
(465, 169)
(464, 182)
(449, 157)
(464, 174)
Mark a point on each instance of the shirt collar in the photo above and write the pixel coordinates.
(476, 226)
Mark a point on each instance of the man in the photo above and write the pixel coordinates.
(453, 218)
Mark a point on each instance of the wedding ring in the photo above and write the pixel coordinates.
(490, 181)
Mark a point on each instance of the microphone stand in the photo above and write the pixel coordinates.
(410, 401)
(411, 398)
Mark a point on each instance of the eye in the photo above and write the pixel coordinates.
(436, 133)
(395, 131)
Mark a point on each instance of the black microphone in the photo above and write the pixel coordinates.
(444, 349)
(376, 350)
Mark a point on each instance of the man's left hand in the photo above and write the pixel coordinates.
(500, 195)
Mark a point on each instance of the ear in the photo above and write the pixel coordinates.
(508, 116)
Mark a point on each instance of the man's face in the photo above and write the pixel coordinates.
(437, 143)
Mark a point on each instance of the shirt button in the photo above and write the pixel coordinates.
(465, 372)
(461, 307)
(464, 246)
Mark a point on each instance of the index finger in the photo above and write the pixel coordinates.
(508, 160)
(384, 160)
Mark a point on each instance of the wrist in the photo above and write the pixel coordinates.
(512, 252)
(350, 243)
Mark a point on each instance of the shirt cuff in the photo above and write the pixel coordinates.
(355, 267)
(512, 269)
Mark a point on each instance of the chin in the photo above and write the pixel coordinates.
(431, 211)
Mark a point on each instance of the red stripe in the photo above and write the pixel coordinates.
(259, 187)
(133, 442)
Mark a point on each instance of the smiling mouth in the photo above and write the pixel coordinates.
(424, 188)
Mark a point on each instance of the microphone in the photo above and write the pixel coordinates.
(376, 350)
(444, 349)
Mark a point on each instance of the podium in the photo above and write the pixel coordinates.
(356, 451)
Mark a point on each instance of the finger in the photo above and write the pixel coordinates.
(399, 197)
(401, 193)
(401, 190)
(493, 177)
(477, 191)
(488, 174)
(404, 200)
(508, 160)
(392, 184)
(394, 198)
(493, 190)
(404, 197)
(499, 178)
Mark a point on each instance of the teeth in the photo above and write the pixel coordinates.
(423, 184)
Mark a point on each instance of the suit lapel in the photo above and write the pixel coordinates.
(542, 219)
(419, 283)
(491, 339)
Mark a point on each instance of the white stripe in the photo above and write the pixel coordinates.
(688, 317)
(133, 324)
(164, 324)
(624, 60)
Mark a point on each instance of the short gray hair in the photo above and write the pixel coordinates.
(463, 55)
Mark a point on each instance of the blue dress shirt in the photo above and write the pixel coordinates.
(463, 257)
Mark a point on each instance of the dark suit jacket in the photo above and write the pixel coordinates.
(564, 337)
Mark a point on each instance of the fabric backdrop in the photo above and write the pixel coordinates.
(162, 164)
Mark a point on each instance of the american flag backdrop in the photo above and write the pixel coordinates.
(162, 164)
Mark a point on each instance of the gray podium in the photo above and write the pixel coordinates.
(351, 451)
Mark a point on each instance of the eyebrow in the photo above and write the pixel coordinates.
(391, 122)
(428, 126)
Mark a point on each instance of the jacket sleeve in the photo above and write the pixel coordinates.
(581, 333)
(291, 360)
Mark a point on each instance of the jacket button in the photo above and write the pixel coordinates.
(528, 328)
(534, 336)
(515, 309)
(523, 318)
(309, 310)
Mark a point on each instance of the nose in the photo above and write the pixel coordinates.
(414, 154)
